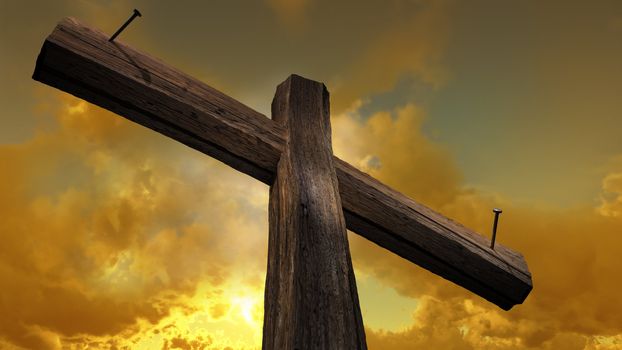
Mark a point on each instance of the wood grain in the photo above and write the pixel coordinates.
(421, 235)
(80, 60)
(311, 300)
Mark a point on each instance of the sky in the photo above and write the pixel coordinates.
(115, 237)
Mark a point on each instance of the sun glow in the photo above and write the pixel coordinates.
(231, 313)
(213, 317)
(249, 307)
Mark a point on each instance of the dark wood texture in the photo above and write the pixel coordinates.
(311, 300)
(80, 60)
(431, 240)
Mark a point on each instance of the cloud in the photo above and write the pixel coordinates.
(106, 224)
(611, 199)
(113, 225)
(113, 235)
(411, 45)
(290, 12)
(572, 253)
(462, 325)
(391, 147)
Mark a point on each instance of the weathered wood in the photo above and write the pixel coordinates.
(80, 60)
(429, 239)
(311, 300)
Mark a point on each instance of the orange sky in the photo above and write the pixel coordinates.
(113, 236)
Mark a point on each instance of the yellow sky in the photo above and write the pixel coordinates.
(113, 236)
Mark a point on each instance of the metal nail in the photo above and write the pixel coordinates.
(497, 211)
(134, 15)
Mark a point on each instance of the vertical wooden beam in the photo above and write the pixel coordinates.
(311, 300)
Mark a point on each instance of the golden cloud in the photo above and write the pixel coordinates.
(411, 46)
(106, 224)
(462, 325)
(572, 254)
(113, 236)
(290, 12)
(612, 195)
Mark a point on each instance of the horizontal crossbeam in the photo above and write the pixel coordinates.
(81, 61)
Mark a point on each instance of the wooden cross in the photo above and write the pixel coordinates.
(311, 300)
